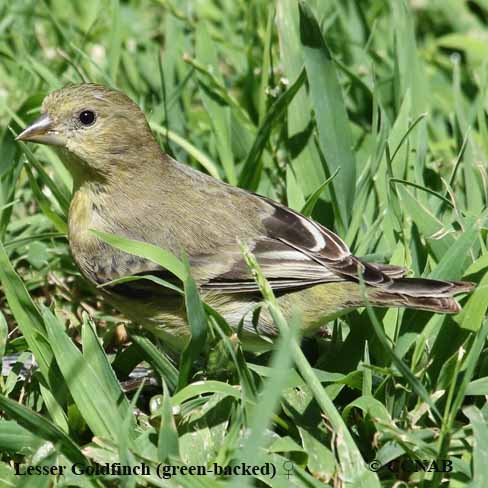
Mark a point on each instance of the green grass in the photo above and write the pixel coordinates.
(369, 116)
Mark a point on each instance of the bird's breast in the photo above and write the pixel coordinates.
(86, 248)
(92, 209)
(80, 220)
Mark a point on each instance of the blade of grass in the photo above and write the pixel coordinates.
(328, 104)
(94, 354)
(158, 360)
(314, 197)
(31, 324)
(352, 463)
(97, 405)
(269, 401)
(306, 161)
(253, 164)
(145, 250)
(423, 188)
(193, 151)
(43, 428)
(480, 450)
(197, 321)
(168, 435)
(219, 115)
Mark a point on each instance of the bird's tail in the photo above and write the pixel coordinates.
(420, 294)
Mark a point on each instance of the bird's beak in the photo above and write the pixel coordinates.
(41, 131)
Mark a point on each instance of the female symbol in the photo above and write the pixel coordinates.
(288, 467)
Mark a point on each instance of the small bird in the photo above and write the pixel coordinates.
(124, 184)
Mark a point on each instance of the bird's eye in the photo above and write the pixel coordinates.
(87, 117)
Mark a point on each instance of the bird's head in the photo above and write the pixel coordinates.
(95, 129)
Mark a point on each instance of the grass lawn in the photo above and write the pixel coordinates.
(369, 116)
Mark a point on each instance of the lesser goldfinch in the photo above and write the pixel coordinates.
(125, 185)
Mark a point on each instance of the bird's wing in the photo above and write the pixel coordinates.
(293, 252)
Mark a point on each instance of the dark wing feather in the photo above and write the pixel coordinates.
(295, 252)
(391, 270)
